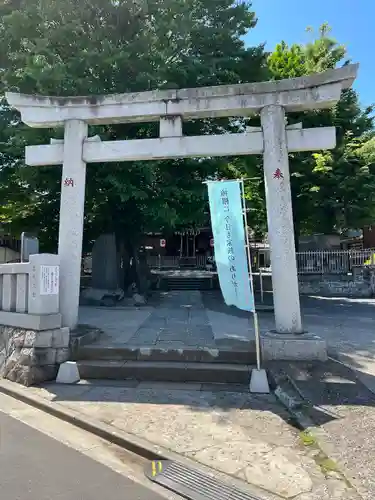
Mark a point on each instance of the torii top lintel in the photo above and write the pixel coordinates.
(317, 91)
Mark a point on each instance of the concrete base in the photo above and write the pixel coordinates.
(259, 382)
(37, 322)
(68, 373)
(302, 347)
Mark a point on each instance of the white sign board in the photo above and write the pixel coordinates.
(163, 243)
(49, 280)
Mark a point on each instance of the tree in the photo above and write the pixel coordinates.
(81, 47)
(331, 191)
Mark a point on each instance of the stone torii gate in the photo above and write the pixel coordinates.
(170, 107)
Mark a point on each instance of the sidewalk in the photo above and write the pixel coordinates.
(249, 438)
(342, 410)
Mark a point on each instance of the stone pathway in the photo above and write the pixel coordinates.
(118, 324)
(346, 324)
(175, 319)
(180, 318)
(248, 437)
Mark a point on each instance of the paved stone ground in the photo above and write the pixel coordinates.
(174, 319)
(348, 327)
(179, 317)
(346, 324)
(246, 436)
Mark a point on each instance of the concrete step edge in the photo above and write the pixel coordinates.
(178, 355)
(167, 365)
(213, 351)
(165, 372)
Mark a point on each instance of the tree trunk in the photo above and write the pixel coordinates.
(143, 273)
(126, 258)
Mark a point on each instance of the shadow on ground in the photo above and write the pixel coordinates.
(346, 324)
(320, 385)
(200, 397)
(324, 385)
(213, 300)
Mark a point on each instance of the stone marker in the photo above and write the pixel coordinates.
(68, 373)
(105, 263)
(104, 290)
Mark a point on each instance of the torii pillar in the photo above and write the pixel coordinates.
(280, 221)
(170, 107)
(72, 207)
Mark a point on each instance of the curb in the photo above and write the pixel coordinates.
(294, 401)
(134, 444)
(131, 443)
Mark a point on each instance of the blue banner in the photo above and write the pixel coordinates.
(229, 242)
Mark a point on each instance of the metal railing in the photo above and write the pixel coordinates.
(333, 261)
(310, 262)
(175, 262)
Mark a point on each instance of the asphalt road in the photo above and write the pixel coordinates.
(34, 466)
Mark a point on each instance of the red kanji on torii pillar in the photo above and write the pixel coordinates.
(278, 174)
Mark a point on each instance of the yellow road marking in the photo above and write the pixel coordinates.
(156, 464)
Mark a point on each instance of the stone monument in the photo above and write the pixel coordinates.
(104, 290)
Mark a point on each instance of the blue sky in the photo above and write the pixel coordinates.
(352, 22)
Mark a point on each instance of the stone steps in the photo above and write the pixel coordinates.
(161, 371)
(153, 354)
(187, 283)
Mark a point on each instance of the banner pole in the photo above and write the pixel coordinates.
(255, 316)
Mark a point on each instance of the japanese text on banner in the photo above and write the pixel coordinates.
(230, 247)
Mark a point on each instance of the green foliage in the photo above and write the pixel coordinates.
(80, 47)
(331, 191)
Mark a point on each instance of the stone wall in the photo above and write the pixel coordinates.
(30, 357)
(359, 284)
(335, 286)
